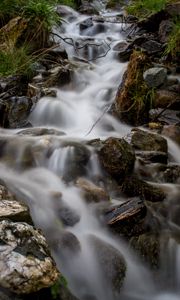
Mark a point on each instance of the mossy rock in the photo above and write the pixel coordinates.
(132, 102)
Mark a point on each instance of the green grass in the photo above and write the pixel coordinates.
(18, 61)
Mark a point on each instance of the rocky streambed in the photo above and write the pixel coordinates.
(89, 206)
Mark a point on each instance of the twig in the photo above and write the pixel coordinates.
(99, 119)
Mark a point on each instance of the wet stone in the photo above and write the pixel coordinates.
(92, 192)
(111, 262)
(35, 131)
(135, 187)
(86, 24)
(126, 218)
(152, 156)
(145, 141)
(117, 157)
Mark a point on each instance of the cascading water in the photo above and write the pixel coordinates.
(80, 112)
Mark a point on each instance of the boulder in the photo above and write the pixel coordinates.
(92, 192)
(154, 77)
(131, 102)
(145, 141)
(111, 262)
(25, 262)
(135, 187)
(117, 157)
(126, 218)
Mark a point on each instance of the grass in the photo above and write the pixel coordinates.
(18, 61)
(173, 44)
(144, 8)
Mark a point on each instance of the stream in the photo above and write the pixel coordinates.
(77, 115)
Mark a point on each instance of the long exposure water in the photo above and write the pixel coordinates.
(80, 111)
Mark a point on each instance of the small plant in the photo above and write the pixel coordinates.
(16, 61)
(173, 44)
(56, 287)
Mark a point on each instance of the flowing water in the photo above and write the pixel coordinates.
(80, 112)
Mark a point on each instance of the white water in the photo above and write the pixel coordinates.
(80, 112)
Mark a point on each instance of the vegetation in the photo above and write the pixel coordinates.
(173, 45)
(19, 45)
(144, 8)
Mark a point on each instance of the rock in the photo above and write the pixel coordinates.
(127, 217)
(151, 23)
(164, 98)
(131, 103)
(92, 192)
(165, 116)
(151, 47)
(111, 262)
(148, 246)
(35, 131)
(78, 156)
(85, 24)
(65, 244)
(117, 157)
(18, 110)
(135, 187)
(25, 263)
(14, 211)
(170, 174)
(145, 141)
(152, 157)
(124, 51)
(155, 77)
(57, 76)
(165, 29)
(67, 215)
(172, 132)
(5, 193)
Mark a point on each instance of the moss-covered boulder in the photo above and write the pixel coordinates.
(132, 100)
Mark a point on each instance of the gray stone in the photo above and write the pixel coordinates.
(154, 77)
(151, 47)
(25, 262)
